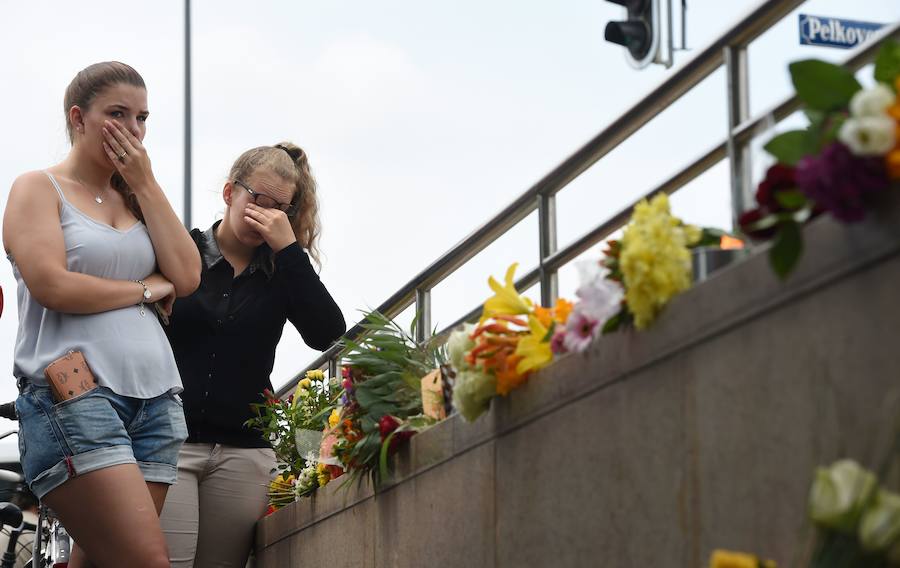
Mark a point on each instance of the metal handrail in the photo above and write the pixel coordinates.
(679, 83)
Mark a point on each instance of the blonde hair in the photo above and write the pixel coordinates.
(81, 92)
(288, 161)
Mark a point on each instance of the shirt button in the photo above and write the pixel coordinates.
(225, 295)
(219, 322)
(209, 375)
(213, 355)
(230, 318)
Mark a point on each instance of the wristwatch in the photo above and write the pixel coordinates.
(145, 297)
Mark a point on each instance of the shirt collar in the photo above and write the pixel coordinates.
(209, 249)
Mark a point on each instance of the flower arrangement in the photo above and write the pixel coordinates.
(652, 261)
(381, 398)
(840, 164)
(511, 340)
(282, 422)
(858, 521)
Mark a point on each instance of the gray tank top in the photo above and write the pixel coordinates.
(127, 352)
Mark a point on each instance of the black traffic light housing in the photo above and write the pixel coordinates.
(639, 33)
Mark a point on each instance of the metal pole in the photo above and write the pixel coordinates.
(187, 114)
(738, 111)
(423, 313)
(547, 236)
(333, 365)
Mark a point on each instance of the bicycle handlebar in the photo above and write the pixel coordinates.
(8, 411)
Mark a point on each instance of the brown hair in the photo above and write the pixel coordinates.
(81, 92)
(289, 161)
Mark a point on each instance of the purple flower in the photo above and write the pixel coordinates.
(556, 342)
(840, 182)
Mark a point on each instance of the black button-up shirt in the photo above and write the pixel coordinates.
(224, 334)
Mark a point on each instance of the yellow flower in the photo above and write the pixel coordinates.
(334, 418)
(728, 559)
(655, 260)
(506, 300)
(534, 348)
(322, 474)
(315, 375)
(304, 383)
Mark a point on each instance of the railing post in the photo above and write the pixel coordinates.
(547, 239)
(333, 365)
(738, 111)
(423, 311)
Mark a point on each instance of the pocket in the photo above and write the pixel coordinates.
(74, 399)
(176, 398)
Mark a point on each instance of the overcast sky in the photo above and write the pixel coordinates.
(421, 119)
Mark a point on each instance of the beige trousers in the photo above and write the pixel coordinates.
(211, 512)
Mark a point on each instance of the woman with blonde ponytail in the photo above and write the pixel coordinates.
(256, 276)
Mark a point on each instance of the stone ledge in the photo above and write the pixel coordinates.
(720, 328)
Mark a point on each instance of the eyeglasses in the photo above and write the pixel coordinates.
(267, 202)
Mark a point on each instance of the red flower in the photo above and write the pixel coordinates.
(778, 178)
(389, 424)
(386, 425)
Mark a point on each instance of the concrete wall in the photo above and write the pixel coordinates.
(652, 448)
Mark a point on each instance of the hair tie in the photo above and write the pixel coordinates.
(292, 153)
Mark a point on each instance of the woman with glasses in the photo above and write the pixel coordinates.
(256, 276)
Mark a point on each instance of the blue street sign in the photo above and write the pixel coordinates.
(834, 32)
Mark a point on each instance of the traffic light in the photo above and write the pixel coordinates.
(639, 32)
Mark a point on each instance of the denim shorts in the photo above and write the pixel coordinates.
(98, 429)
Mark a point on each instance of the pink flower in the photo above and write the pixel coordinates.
(581, 329)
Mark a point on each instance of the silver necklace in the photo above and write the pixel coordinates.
(99, 197)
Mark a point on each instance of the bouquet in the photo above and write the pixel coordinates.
(846, 158)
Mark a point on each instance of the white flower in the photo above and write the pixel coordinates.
(458, 344)
(871, 102)
(868, 135)
(600, 298)
(840, 493)
(880, 524)
(472, 393)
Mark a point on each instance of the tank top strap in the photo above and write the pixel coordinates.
(56, 185)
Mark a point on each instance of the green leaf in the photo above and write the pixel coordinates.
(612, 324)
(823, 86)
(789, 147)
(791, 199)
(786, 249)
(383, 455)
(887, 63)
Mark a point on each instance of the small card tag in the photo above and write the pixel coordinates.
(433, 395)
